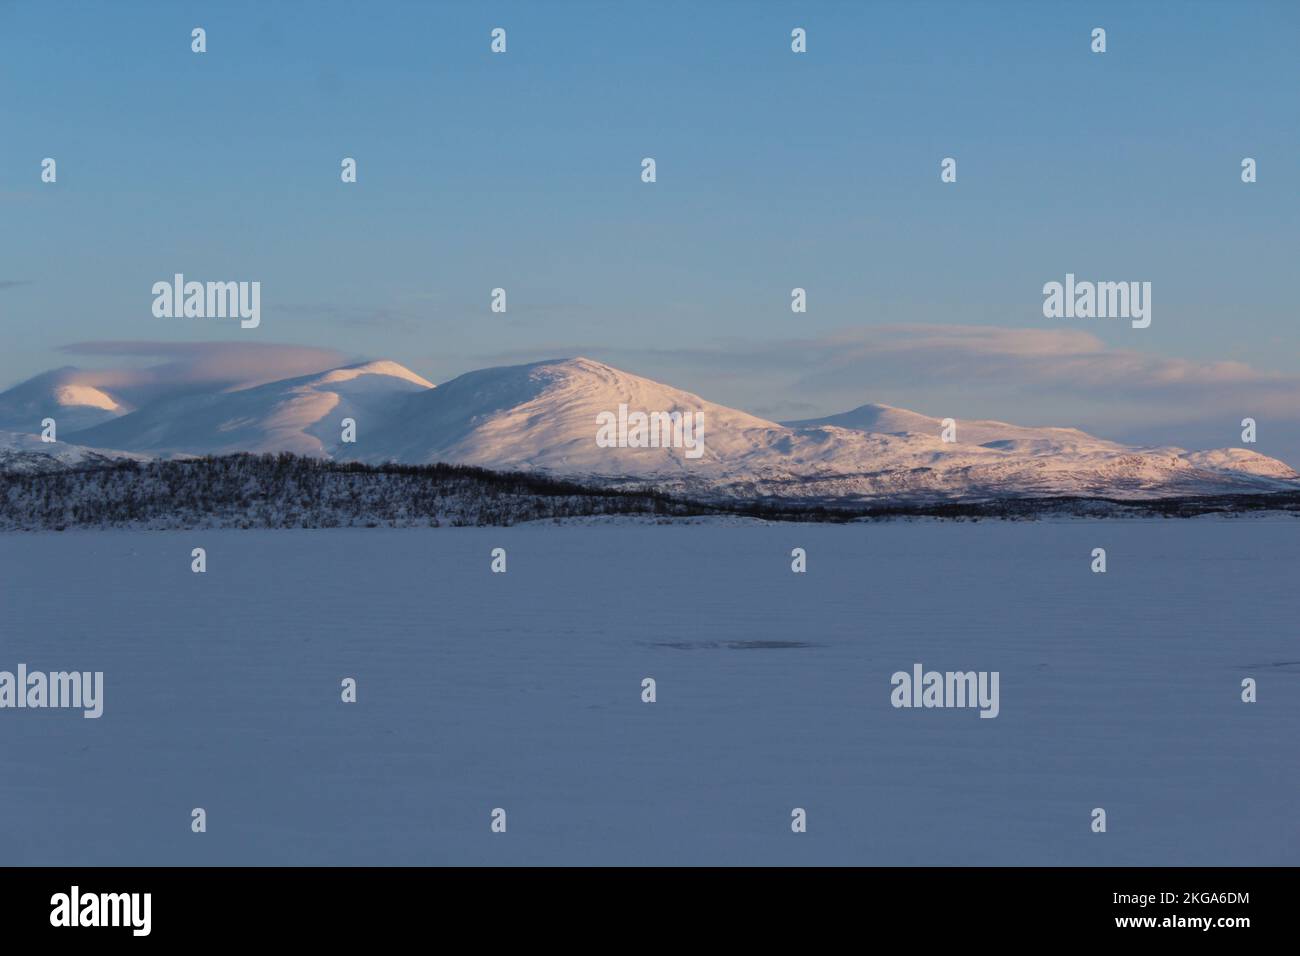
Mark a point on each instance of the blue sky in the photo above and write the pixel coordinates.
(775, 170)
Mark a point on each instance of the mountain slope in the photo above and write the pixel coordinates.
(57, 394)
(547, 416)
(300, 415)
(28, 454)
(885, 419)
(544, 416)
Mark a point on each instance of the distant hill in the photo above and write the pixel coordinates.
(543, 417)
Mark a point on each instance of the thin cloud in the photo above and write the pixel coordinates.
(1036, 360)
(868, 363)
(188, 366)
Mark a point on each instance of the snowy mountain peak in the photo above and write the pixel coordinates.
(380, 367)
(582, 418)
(60, 394)
(888, 420)
(86, 395)
(545, 415)
(303, 415)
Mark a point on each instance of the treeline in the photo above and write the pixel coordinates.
(288, 491)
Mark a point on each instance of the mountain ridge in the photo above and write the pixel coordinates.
(543, 417)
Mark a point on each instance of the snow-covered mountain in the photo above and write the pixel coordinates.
(546, 416)
(57, 394)
(543, 416)
(887, 420)
(28, 454)
(300, 415)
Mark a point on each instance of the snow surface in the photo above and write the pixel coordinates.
(886, 419)
(57, 394)
(27, 453)
(522, 691)
(543, 416)
(300, 415)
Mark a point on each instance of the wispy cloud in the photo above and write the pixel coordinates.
(1032, 360)
(866, 363)
(185, 366)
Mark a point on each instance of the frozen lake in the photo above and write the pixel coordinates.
(523, 691)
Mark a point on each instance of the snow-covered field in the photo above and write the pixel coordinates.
(522, 691)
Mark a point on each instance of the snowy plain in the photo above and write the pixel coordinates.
(522, 691)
